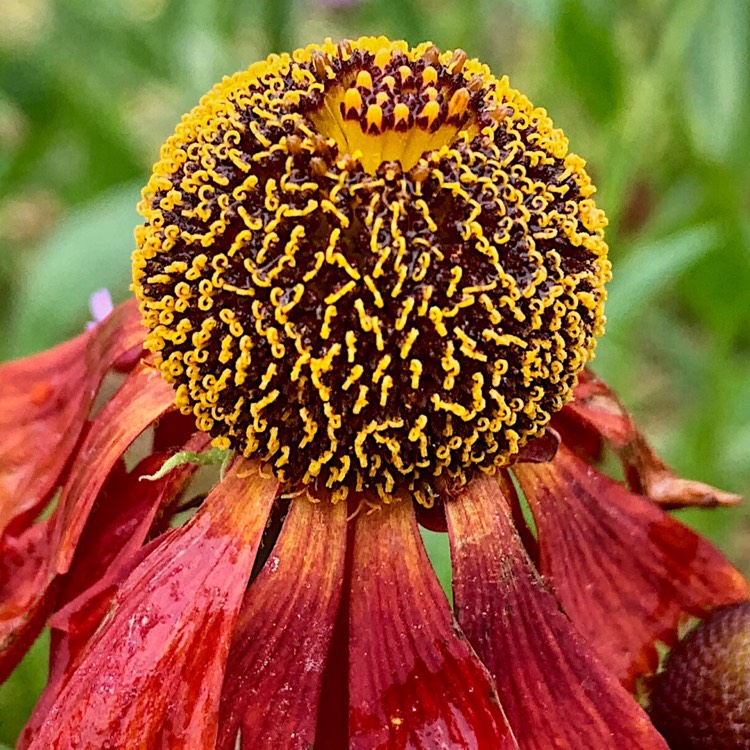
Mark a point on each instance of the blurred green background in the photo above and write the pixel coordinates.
(654, 93)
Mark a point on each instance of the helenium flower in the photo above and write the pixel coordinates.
(371, 278)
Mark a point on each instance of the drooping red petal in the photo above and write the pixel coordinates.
(139, 401)
(110, 548)
(152, 675)
(26, 598)
(44, 403)
(555, 692)
(332, 731)
(282, 637)
(29, 585)
(596, 416)
(413, 680)
(120, 521)
(73, 628)
(623, 569)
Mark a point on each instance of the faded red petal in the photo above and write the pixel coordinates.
(275, 666)
(414, 682)
(555, 692)
(44, 403)
(623, 569)
(139, 401)
(25, 595)
(152, 675)
(596, 415)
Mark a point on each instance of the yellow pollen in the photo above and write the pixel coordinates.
(382, 57)
(401, 113)
(458, 103)
(352, 102)
(429, 76)
(430, 113)
(374, 118)
(364, 80)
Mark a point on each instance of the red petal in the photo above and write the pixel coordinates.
(555, 692)
(596, 408)
(140, 400)
(540, 449)
(25, 597)
(596, 415)
(648, 474)
(29, 590)
(44, 403)
(115, 532)
(283, 634)
(413, 681)
(152, 675)
(623, 569)
(123, 515)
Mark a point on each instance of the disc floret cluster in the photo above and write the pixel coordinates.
(375, 267)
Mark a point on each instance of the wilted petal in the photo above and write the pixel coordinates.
(152, 675)
(414, 682)
(596, 416)
(139, 401)
(648, 474)
(623, 569)
(44, 404)
(555, 692)
(282, 637)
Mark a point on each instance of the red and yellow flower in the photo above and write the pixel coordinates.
(372, 276)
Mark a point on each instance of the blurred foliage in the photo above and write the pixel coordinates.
(653, 92)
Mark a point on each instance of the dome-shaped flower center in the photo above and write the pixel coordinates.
(371, 266)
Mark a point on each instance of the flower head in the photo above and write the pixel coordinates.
(372, 266)
(373, 275)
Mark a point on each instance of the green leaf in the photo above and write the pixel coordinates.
(438, 550)
(716, 78)
(587, 55)
(22, 689)
(649, 268)
(91, 249)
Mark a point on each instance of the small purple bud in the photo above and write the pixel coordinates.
(100, 304)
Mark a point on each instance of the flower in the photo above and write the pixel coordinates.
(372, 278)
